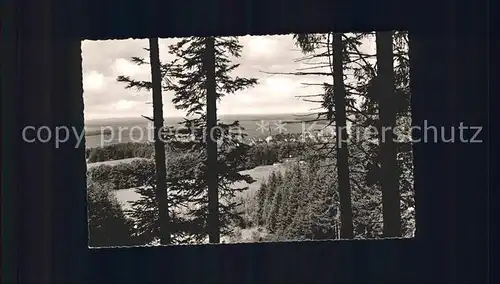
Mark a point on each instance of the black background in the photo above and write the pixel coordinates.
(44, 233)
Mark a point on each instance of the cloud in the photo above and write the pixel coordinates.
(125, 67)
(104, 61)
(261, 48)
(281, 84)
(124, 104)
(93, 81)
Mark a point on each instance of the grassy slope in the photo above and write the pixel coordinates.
(112, 162)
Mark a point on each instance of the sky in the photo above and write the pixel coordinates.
(104, 61)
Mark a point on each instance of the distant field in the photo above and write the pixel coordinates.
(258, 174)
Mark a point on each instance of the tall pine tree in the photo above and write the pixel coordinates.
(366, 165)
(388, 152)
(367, 157)
(191, 77)
(335, 100)
(339, 98)
(158, 77)
(161, 167)
(202, 76)
(211, 124)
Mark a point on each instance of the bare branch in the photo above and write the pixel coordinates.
(148, 118)
(311, 101)
(297, 73)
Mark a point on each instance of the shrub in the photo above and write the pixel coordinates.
(108, 225)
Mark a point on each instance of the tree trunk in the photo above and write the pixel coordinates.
(161, 168)
(212, 177)
(388, 152)
(346, 229)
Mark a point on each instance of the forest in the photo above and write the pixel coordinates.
(357, 184)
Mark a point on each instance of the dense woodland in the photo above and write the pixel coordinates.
(354, 186)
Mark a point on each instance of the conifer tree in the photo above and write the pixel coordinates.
(156, 85)
(283, 211)
(365, 151)
(261, 198)
(202, 76)
(388, 152)
(339, 98)
(364, 165)
(297, 191)
(188, 76)
(211, 124)
(273, 217)
(335, 100)
(271, 189)
(108, 225)
(144, 212)
(161, 167)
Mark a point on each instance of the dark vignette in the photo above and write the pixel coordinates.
(45, 239)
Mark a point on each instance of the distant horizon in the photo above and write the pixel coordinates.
(219, 116)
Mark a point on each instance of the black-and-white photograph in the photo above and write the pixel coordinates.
(248, 139)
